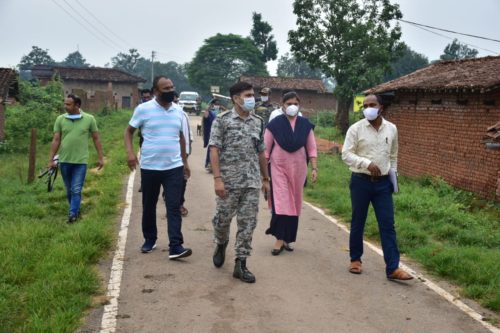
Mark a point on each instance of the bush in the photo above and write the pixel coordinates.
(39, 107)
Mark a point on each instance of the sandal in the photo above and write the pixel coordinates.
(355, 267)
(399, 274)
(184, 211)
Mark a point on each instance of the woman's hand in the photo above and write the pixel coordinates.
(314, 174)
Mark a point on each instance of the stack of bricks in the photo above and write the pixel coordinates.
(440, 135)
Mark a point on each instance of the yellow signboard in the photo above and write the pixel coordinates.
(358, 103)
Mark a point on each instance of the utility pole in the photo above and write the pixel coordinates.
(153, 53)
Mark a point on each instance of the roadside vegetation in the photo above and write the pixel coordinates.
(48, 268)
(450, 232)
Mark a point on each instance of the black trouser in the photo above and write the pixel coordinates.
(172, 182)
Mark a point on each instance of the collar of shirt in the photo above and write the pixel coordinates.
(172, 107)
(382, 125)
(235, 114)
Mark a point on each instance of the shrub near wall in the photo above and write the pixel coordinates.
(38, 108)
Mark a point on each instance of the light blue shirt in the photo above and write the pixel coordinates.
(161, 130)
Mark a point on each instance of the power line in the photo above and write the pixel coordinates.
(448, 37)
(102, 24)
(84, 26)
(451, 31)
(92, 25)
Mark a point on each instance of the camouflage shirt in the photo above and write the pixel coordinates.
(263, 110)
(239, 141)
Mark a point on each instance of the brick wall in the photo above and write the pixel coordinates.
(439, 136)
(310, 101)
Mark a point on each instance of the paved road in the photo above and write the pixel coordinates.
(308, 290)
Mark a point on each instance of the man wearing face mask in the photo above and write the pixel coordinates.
(209, 115)
(370, 150)
(238, 164)
(71, 133)
(263, 108)
(163, 163)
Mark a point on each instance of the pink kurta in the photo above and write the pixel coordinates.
(288, 173)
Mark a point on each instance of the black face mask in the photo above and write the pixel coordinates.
(167, 97)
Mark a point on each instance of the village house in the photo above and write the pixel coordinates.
(312, 92)
(98, 87)
(8, 90)
(442, 113)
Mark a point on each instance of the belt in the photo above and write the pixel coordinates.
(368, 177)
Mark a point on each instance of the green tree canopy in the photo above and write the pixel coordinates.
(407, 63)
(288, 66)
(456, 50)
(75, 59)
(221, 60)
(37, 56)
(126, 61)
(176, 72)
(349, 40)
(262, 38)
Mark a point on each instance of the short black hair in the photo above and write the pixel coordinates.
(176, 94)
(156, 79)
(214, 100)
(239, 87)
(145, 91)
(77, 100)
(290, 95)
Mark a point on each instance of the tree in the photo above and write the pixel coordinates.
(409, 62)
(456, 50)
(171, 69)
(221, 60)
(349, 40)
(288, 66)
(262, 39)
(75, 59)
(37, 56)
(125, 61)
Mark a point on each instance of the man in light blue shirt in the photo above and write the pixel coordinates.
(163, 163)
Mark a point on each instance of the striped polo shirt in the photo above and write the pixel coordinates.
(160, 128)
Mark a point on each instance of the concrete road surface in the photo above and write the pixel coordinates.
(308, 290)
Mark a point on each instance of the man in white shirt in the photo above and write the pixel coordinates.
(370, 150)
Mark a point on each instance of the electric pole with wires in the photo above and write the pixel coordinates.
(153, 54)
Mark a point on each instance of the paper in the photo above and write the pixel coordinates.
(393, 176)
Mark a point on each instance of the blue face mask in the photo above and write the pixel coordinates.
(248, 103)
(73, 116)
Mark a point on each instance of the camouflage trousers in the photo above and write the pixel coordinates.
(244, 203)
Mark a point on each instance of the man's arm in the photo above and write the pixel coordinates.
(182, 142)
(220, 190)
(394, 151)
(264, 173)
(54, 147)
(131, 157)
(98, 147)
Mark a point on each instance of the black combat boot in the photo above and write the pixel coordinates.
(241, 272)
(220, 254)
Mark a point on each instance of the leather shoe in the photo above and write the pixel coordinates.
(399, 274)
(220, 254)
(276, 252)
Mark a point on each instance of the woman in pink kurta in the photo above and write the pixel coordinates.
(290, 143)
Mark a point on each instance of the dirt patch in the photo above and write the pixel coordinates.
(325, 146)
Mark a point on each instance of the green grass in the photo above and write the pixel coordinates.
(451, 233)
(48, 276)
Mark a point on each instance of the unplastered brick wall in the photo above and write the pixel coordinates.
(440, 135)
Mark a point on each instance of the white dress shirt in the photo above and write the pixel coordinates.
(364, 144)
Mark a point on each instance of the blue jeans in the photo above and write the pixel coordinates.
(73, 176)
(379, 193)
(172, 181)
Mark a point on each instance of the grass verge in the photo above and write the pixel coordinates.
(451, 233)
(48, 274)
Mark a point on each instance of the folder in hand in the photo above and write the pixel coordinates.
(393, 176)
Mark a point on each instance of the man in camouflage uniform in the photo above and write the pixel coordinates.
(263, 108)
(238, 161)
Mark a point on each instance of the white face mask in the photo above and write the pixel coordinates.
(264, 98)
(371, 113)
(292, 110)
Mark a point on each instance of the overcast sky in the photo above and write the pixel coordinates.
(176, 29)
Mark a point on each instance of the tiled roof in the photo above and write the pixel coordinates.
(285, 83)
(493, 133)
(85, 74)
(7, 78)
(468, 75)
